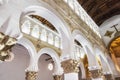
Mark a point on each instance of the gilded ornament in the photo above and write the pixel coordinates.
(70, 66)
(57, 77)
(108, 76)
(96, 73)
(6, 43)
(31, 75)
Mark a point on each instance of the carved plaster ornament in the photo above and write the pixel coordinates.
(6, 56)
(11, 41)
(10, 58)
(70, 66)
(3, 53)
(6, 42)
(109, 33)
(5, 48)
(2, 36)
(2, 45)
(95, 72)
(31, 75)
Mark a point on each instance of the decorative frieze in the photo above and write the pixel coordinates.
(70, 66)
(31, 75)
(58, 77)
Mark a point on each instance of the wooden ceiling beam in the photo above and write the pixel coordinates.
(107, 11)
(100, 10)
(107, 16)
(93, 10)
(84, 1)
(81, 1)
(87, 3)
(91, 7)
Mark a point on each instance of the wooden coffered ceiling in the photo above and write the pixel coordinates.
(100, 10)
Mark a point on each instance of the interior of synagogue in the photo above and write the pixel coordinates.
(60, 40)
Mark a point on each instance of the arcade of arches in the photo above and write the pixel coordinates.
(56, 40)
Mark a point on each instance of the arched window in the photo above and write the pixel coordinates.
(35, 31)
(57, 42)
(50, 38)
(26, 27)
(43, 35)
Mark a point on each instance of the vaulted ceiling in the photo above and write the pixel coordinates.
(100, 10)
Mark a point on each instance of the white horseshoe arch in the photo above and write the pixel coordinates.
(86, 46)
(82, 70)
(100, 54)
(56, 21)
(32, 52)
(58, 70)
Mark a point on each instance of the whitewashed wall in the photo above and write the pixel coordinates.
(15, 70)
(107, 26)
(44, 73)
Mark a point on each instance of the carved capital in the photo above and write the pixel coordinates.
(57, 77)
(108, 76)
(31, 75)
(70, 66)
(96, 73)
(6, 43)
